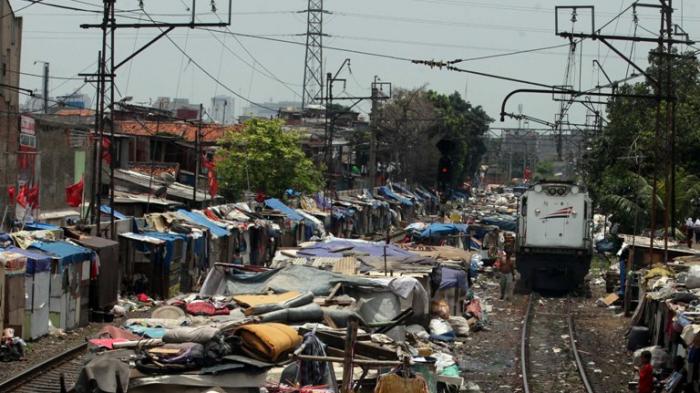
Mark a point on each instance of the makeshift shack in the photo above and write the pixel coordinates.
(12, 269)
(104, 287)
(70, 283)
(152, 262)
(37, 280)
(221, 245)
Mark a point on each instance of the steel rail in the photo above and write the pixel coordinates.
(577, 357)
(26, 377)
(525, 345)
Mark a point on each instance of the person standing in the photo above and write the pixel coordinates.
(505, 267)
(689, 231)
(646, 374)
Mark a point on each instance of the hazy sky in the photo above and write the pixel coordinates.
(415, 29)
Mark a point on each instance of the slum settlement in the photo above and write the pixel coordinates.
(291, 295)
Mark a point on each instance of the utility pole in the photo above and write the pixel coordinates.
(197, 157)
(663, 94)
(331, 114)
(377, 96)
(46, 87)
(106, 75)
(373, 135)
(313, 61)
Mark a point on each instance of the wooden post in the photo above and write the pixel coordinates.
(350, 338)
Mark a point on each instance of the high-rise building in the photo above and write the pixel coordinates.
(223, 109)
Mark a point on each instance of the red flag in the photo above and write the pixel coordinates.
(22, 196)
(211, 176)
(74, 194)
(33, 196)
(213, 183)
(11, 190)
(106, 155)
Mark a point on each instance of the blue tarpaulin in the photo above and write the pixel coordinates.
(453, 278)
(338, 247)
(506, 223)
(200, 219)
(437, 230)
(36, 260)
(40, 226)
(66, 252)
(276, 204)
(169, 239)
(406, 191)
(386, 191)
(108, 210)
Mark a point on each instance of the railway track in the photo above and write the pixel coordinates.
(46, 376)
(550, 361)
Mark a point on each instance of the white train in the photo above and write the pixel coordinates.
(554, 242)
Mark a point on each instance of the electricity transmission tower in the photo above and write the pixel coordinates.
(313, 62)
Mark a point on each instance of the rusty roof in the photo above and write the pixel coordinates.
(211, 133)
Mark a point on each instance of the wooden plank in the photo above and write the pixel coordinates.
(347, 266)
(363, 348)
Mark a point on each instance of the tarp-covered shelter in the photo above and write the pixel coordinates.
(70, 283)
(37, 279)
(153, 262)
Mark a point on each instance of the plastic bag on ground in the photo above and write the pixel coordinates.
(460, 326)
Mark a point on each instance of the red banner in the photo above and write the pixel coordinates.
(74, 194)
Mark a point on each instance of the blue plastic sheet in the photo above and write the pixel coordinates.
(438, 230)
(40, 226)
(200, 219)
(506, 223)
(66, 252)
(386, 191)
(36, 261)
(338, 247)
(454, 278)
(276, 204)
(108, 210)
(169, 239)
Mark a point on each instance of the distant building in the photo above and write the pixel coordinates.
(179, 107)
(76, 100)
(263, 111)
(223, 110)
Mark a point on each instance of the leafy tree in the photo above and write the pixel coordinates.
(404, 139)
(462, 126)
(625, 155)
(265, 157)
(418, 126)
(544, 170)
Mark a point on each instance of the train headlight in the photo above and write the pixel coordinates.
(538, 188)
(561, 191)
(574, 190)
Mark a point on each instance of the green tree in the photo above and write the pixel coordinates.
(544, 170)
(265, 157)
(461, 127)
(623, 158)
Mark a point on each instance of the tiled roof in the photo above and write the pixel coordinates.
(75, 112)
(210, 132)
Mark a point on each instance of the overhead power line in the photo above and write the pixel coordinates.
(209, 74)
